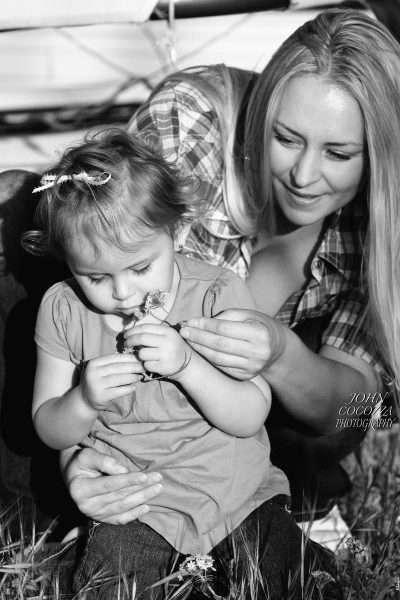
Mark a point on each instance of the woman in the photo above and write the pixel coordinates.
(311, 158)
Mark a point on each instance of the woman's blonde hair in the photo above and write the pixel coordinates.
(358, 54)
(355, 52)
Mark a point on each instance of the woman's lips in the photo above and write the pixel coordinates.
(301, 198)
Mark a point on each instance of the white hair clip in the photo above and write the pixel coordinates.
(48, 181)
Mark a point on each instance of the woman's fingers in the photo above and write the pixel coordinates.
(241, 342)
(118, 506)
(88, 462)
(113, 498)
(224, 337)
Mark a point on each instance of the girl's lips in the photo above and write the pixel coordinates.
(128, 311)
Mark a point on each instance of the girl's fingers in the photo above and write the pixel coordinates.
(114, 359)
(146, 354)
(124, 368)
(144, 339)
(116, 380)
(133, 335)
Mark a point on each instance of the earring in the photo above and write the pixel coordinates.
(180, 247)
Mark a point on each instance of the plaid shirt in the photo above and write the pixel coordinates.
(189, 134)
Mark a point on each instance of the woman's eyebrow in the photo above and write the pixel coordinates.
(294, 132)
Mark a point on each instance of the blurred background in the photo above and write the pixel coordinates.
(68, 66)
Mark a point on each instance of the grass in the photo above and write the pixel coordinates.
(368, 569)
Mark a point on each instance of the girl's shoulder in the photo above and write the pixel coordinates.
(213, 281)
(64, 297)
(194, 268)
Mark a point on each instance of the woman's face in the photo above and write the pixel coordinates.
(317, 150)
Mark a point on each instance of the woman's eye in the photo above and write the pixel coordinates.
(338, 155)
(285, 141)
(141, 271)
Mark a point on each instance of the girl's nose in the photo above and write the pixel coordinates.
(122, 289)
(306, 169)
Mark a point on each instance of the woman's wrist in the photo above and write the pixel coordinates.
(276, 342)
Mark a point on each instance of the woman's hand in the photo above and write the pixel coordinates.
(242, 343)
(104, 490)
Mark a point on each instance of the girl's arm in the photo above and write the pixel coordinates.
(60, 415)
(236, 407)
(63, 413)
(239, 408)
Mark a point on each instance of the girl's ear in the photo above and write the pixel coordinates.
(180, 236)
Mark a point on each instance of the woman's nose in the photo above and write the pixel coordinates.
(306, 169)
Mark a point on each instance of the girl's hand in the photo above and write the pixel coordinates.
(160, 348)
(109, 377)
(242, 343)
(104, 490)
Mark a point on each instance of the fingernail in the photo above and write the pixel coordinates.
(157, 488)
(185, 332)
(143, 478)
(119, 469)
(154, 477)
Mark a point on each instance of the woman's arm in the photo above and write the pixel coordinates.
(311, 387)
(63, 413)
(103, 489)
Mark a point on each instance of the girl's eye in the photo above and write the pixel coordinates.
(338, 155)
(141, 271)
(96, 280)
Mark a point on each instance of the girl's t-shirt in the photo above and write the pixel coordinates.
(212, 480)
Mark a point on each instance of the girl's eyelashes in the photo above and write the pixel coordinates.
(141, 271)
(96, 280)
(134, 270)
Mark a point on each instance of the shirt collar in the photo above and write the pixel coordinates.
(342, 242)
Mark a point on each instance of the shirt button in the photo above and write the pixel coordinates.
(318, 263)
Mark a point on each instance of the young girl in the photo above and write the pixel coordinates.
(113, 371)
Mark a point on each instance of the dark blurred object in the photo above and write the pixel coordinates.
(388, 12)
(210, 8)
(311, 461)
(29, 471)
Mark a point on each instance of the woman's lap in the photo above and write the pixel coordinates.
(269, 537)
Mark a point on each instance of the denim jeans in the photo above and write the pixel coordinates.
(267, 548)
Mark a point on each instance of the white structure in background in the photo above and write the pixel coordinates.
(51, 67)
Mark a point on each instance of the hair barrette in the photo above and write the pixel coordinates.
(48, 181)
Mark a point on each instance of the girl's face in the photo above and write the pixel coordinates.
(117, 281)
(317, 150)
